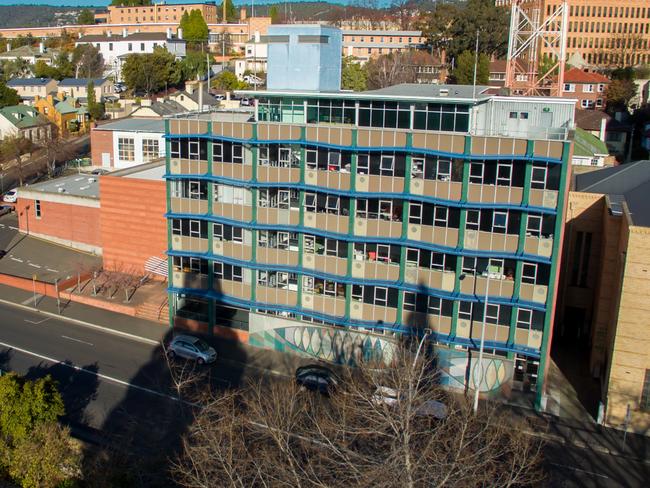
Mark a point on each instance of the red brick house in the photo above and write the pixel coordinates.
(588, 87)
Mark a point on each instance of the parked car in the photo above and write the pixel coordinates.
(5, 209)
(317, 378)
(11, 196)
(246, 102)
(99, 172)
(389, 396)
(193, 348)
(3, 253)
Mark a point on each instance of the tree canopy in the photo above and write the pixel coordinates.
(453, 28)
(8, 96)
(88, 61)
(619, 93)
(195, 29)
(353, 75)
(86, 17)
(152, 72)
(194, 64)
(231, 11)
(227, 80)
(95, 109)
(463, 74)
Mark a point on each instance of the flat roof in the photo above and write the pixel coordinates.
(154, 170)
(362, 32)
(135, 125)
(79, 185)
(218, 115)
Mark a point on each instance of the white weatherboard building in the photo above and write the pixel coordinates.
(115, 48)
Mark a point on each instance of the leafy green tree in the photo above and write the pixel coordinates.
(86, 17)
(16, 68)
(194, 64)
(227, 80)
(353, 75)
(194, 26)
(8, 96)
(463, 74)
(95, 109)
(43, 70)
(546, 64)
(438, 27)
(619, 93)
(26, 404)
(231, 11)
(64, 65)
(151, 72)
(274, 14)
(44, 459)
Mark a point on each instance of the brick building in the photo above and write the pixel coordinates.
(586, 87)
(367, 44)
(160, 12)
(127, 142)
(604, 301)
(103, 215)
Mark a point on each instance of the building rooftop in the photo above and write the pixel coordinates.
(354, 32)
(80, 185)
(575, 75)
(23, 116)
(81, 81)
(28, 52)
(627, 183)
(133, 124)
(118, 37)
(420, 90)
(234, 115)
(28, 81)
(154, 171)
(588, 145)
(590, 119)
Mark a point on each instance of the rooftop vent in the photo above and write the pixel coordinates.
(91, 180)
(444, 92)
(61, 190)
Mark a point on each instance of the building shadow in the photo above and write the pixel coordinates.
(143, 434)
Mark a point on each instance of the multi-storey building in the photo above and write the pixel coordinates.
(603, 32)
(367, 44)
(159, 12)
(334, 222)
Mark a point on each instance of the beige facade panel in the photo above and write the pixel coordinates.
(278, 216)
(384, 184)
(533, 293)
(339, 136)
(274, 132)
(325, 221)
(233, 250)
(381, 138)
(268, 174)
(373, 270)
(439, 142)
(277, 256)
(186, 243)
(328, 179)
(324, 304)
(233, 170)
(233, 288)
(498, 288)
(187, 167)
(493, 332)
(447, 190)
(548, 149)
(540, 246)
(377, 313)
(276, 296)
(182, 279)
(432, 278)
(543, 198)
(489, 241)
(498, 145)
(382, 228)
(188, 126)
(236, 130)
(331, 264)
(243, 213)
(189, 205)
(494, 194)
(439, 324)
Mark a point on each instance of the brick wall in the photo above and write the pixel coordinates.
(133, 226)
(71, 224)
(101, 141)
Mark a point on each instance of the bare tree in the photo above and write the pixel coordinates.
(12, 149)
(55, 149)
(384, 427)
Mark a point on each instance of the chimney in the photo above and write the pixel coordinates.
(8, 46)
(200, 87)
(169, 32)
(603, 129)
(80, 35)
(41, 47)
(125, 32)
(189, 87)
(180, 33)
(242, 14)
(109, 33)
(257, 37)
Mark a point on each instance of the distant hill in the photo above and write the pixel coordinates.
(37, 15)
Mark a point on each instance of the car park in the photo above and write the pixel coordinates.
(11, 196)
(192, 348)
(317, 378)
(5, 209)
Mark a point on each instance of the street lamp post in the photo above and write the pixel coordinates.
(477, 384)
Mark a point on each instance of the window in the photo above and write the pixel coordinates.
(37, 208)
(504, 174)
(513, 115)
(534, 226)
(142, 46)
(126, 149)
(130, 47)
(224, 271)
(529, 273)
(149, 150)
(110, 46)
(588, 88)
(217, 152)
(465, 310)
(538, 177)
(473, 220)
(476, 171)
(569, 87)
(523, 115)
(499, 222)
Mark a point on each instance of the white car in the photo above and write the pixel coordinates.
(11, 196)
(389, 396)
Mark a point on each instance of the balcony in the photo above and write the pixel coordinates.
(533, 293)
(233, 288)
(274, 174)
(234, 171)
(232, 249)
(179, 166)
(431, 278)
(491, 241)
(337, 180)
(440, 324)
(443, 189)
(197, 206)
(329, 221)
(188, 279)
(192, 244)
(539, 246)
(543, 198)
(379, 184)
(372, 269)
(443, 236)
(278, 296)
(372, 313)
(272, 256)
(494, 194)
(278, 216)
(500, 285)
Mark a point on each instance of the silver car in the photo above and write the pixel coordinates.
(189, 347)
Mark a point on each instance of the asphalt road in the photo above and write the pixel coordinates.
(116, 386)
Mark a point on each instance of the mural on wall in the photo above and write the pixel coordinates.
(349, 347)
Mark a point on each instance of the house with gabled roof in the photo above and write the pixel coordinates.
(67, 114)
(78, 88)
(586, 86)
(25, 121)
(29, 88)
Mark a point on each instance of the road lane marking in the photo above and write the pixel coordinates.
(99, 375)
(52, 270)
(33, 298)
(13, 228)
(573, 468)
(34, 265)
(77, 340)
(16, 259)
(36, 322)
